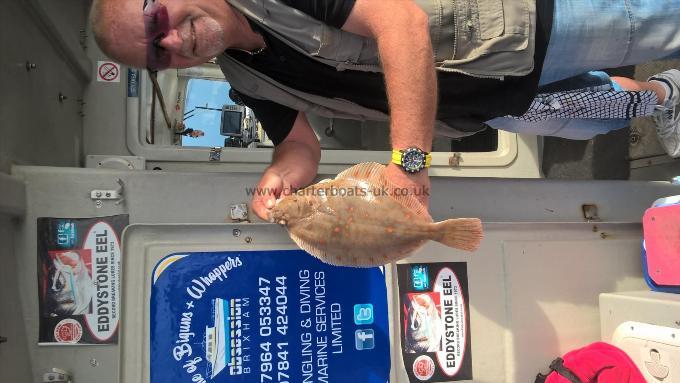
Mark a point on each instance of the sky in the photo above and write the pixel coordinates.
(199, 93)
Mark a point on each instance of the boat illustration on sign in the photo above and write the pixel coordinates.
(217, 340)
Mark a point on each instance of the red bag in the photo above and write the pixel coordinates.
(596, 363)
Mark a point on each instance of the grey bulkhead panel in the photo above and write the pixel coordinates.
(14, 360)
(533, 288)
(523, 309)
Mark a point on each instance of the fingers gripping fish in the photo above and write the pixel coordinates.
(352, 221)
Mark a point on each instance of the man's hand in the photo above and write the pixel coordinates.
(272, 185)
(294, 165)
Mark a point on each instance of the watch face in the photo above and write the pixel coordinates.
(413, 160)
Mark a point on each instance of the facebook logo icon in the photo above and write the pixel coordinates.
(364, 339)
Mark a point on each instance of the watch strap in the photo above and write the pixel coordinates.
(396, 158)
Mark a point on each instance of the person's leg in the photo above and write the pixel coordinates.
(664, 106)
(595, 34)
(570, 128)
(667, 114)
(593, 104)
(634, 85)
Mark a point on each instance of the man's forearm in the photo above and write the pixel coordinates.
(402, 31)
(407, 59)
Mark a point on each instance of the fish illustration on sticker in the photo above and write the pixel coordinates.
(351, 221)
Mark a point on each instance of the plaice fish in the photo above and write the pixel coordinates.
(353, 220)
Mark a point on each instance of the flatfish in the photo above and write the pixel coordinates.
(356, 220)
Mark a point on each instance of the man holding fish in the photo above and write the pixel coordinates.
(369, 59)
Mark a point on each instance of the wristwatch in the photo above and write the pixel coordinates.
(412, 160)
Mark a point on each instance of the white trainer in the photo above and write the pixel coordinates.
(667, 116)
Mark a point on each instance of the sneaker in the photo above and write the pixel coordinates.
(667, 116)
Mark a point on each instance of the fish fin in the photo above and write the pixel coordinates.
(374, 174)
(325, 256)
(460, 233)
(304, 245)
(362, 171)
(409, 201)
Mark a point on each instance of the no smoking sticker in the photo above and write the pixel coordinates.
(108, 71)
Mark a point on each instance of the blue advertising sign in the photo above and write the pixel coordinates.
(267, 316)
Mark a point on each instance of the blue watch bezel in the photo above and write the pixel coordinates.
(409, 152)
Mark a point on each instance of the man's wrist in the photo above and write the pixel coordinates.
(399, 173)
(411, 159)
(416, 184)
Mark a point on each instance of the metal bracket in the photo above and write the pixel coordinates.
(239, 212)
(590, 212)
(56, 376)
(99, 195)
(455, 160)
(215, 154)
(330, 130)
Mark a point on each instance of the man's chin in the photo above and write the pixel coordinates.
(189, 62)
(212, 52)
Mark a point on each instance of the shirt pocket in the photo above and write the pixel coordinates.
(490, 18)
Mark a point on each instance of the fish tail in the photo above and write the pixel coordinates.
(460, 233)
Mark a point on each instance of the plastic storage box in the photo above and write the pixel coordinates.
(661, 245)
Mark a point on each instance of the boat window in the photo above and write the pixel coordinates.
(202, 111)
(209, 109)
(198, 98)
